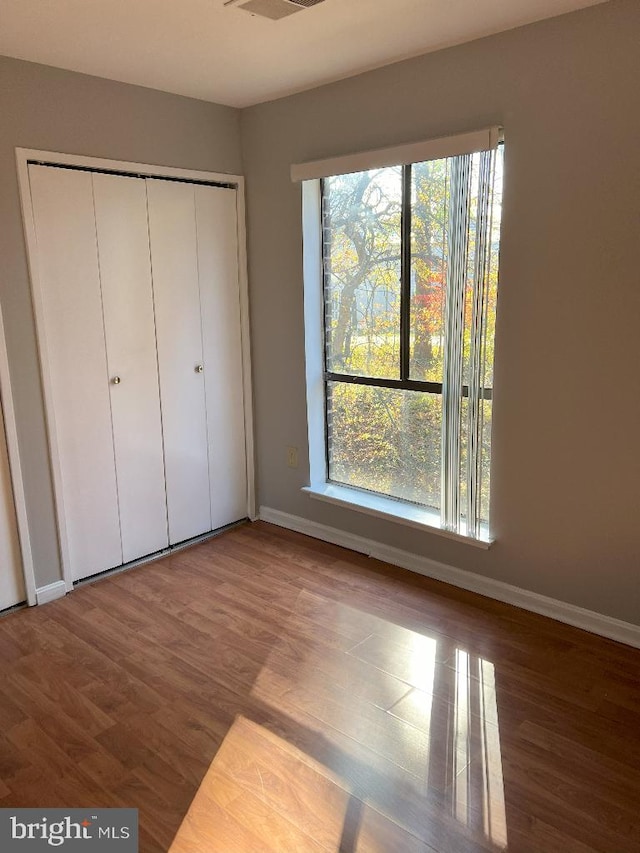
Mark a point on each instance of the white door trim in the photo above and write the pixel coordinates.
(24, 156)
(252, 509)
(16, 469)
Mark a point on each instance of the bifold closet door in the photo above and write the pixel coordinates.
(217, 231)
(127, 299)
(72, 349)
(140, 339)
(12, 589)
(174, 263)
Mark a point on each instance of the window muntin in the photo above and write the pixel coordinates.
(410, 262)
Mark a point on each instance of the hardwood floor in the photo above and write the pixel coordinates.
(292, 696)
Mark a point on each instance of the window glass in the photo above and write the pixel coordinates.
(361, 251)
(429, 249)
(385, 440)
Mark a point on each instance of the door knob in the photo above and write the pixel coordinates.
(116, 380)
(199, 368)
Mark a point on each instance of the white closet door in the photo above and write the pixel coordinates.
(74, 357)
(216, 220)
(12, 589)
(174, 262)
(127, 298)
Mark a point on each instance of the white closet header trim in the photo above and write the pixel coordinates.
(79, 161)
(414, 152)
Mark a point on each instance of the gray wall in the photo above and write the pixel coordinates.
(566, 458)
(55, 110)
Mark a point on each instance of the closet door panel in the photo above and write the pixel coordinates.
(127, 298)
(216, 220)
(12, 589)
(69, 288)
(174, 262)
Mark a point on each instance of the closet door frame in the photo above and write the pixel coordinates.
(15, 468)
(26, 156)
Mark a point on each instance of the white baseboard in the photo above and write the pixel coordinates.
(45, 594)
(588, 620)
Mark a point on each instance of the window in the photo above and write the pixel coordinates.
(409, 259)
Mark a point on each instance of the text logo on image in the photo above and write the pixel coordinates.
(79, 830)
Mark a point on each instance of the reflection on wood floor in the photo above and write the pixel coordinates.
(268, 692)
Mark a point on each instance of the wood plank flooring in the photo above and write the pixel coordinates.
(264, 691)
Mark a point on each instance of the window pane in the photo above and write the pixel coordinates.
(361, 249)
(492, 278)
(485, 471)
(490, 229)
(385, 440)
(429, 221)
(483, 474)
(430, 200)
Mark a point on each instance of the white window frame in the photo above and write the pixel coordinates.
(310, 175)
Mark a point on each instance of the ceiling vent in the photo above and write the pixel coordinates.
(273, 9)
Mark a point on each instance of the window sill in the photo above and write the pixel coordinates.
(421, 518)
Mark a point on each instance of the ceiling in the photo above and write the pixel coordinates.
(223, 54)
